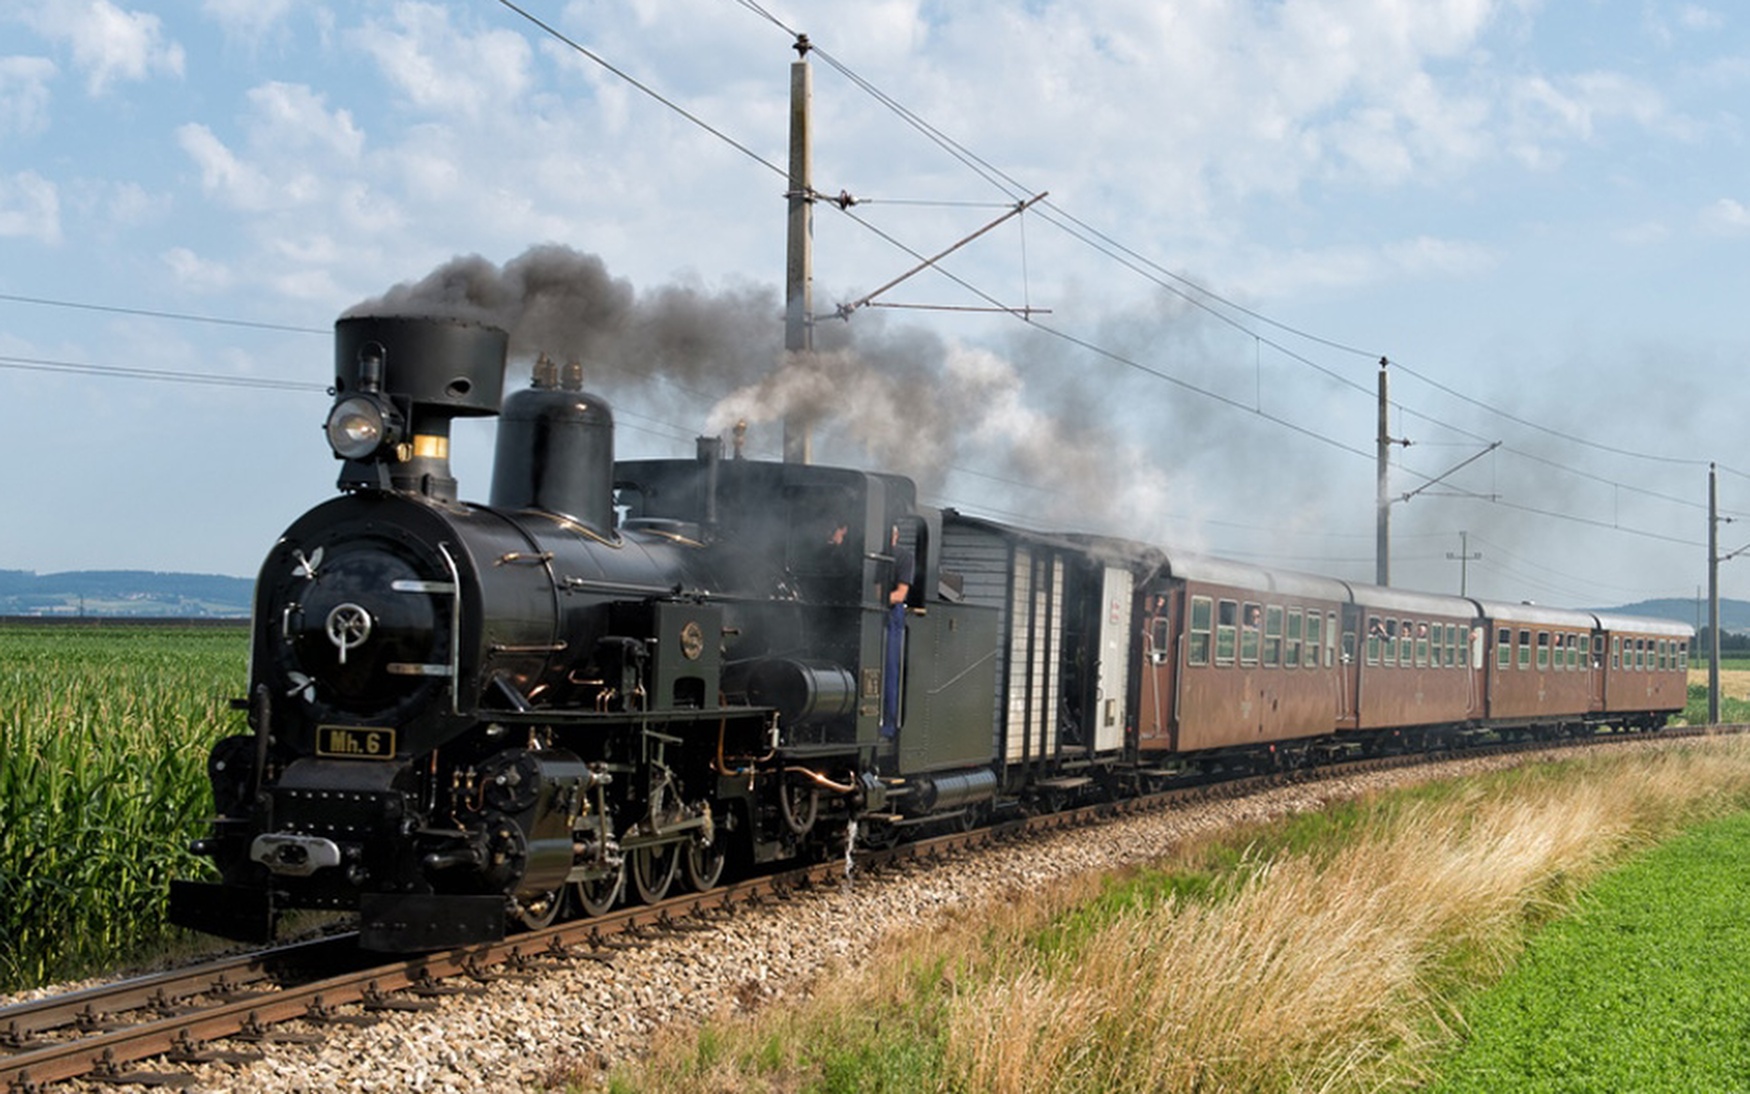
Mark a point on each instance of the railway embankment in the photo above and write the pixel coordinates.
(1329, 931)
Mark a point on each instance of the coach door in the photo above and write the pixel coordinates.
(1349, 670)
(1160, 663)
(1594, 664)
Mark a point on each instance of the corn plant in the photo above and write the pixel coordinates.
(104, 733)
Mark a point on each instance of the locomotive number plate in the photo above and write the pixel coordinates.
(355, 742)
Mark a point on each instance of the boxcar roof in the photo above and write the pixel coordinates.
(1641, 624)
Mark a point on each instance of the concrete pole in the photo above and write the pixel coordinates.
(1713, 595)
(799, 259)
(1382, 541)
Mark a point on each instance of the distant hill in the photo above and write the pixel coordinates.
(141, 593)
(1734, 614)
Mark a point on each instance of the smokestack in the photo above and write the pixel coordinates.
(429, 370)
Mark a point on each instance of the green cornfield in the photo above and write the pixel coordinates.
(104, 732)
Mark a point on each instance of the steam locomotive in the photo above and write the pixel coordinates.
(618, 677)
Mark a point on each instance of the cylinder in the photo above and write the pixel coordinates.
(942, 792)
(802, 691)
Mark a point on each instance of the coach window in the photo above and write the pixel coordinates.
(1421, 645)
(1273, 635)
(1251, 622)
(1291, 651)
(1640, 655)
(1375, 634)
(1503, 648)
(1389, 655)
(1524, 648)
(1451, 645)
(1662, 655)
(1558, 660)
(1227, 616)
(1315, 637)
(1572, 642)
(1586, 652)
(1542, 650)
(1683, 655)
(1406, 643)
(1202, 627)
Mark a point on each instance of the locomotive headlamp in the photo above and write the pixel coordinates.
(361, 426)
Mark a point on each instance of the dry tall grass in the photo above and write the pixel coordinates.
(1336, 969)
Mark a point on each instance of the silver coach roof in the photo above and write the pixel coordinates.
(1641, 624)
(1503, 612)
(1245, 575)
(1408, 600)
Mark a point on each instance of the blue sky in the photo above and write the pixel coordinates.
(1539, 212)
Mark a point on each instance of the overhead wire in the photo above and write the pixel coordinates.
(1187, 289)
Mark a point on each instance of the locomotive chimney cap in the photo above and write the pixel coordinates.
(449, 368)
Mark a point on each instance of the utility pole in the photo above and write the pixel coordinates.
(1382, 518)
(799, 258)
(1465, 558)
(1713, 596)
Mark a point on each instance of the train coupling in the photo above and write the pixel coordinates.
(294, 856)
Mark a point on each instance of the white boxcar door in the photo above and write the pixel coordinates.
(1116, 590)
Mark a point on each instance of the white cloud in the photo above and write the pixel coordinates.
(1697, 17)
(1726, 217)
(194, 272)
(109, 44)
(30, 208)
(445, 70)
(24, 94)
(249, 20)
(222, 174)
(291, 119)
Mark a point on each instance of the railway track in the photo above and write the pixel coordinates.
(229, 1009)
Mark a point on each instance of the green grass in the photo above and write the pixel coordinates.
(1646, 989)
(1732, 711)
(1329, 951)
(104, 733)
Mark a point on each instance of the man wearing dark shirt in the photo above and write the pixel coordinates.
(904, 573)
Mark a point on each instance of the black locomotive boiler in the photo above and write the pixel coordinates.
(465, 716)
